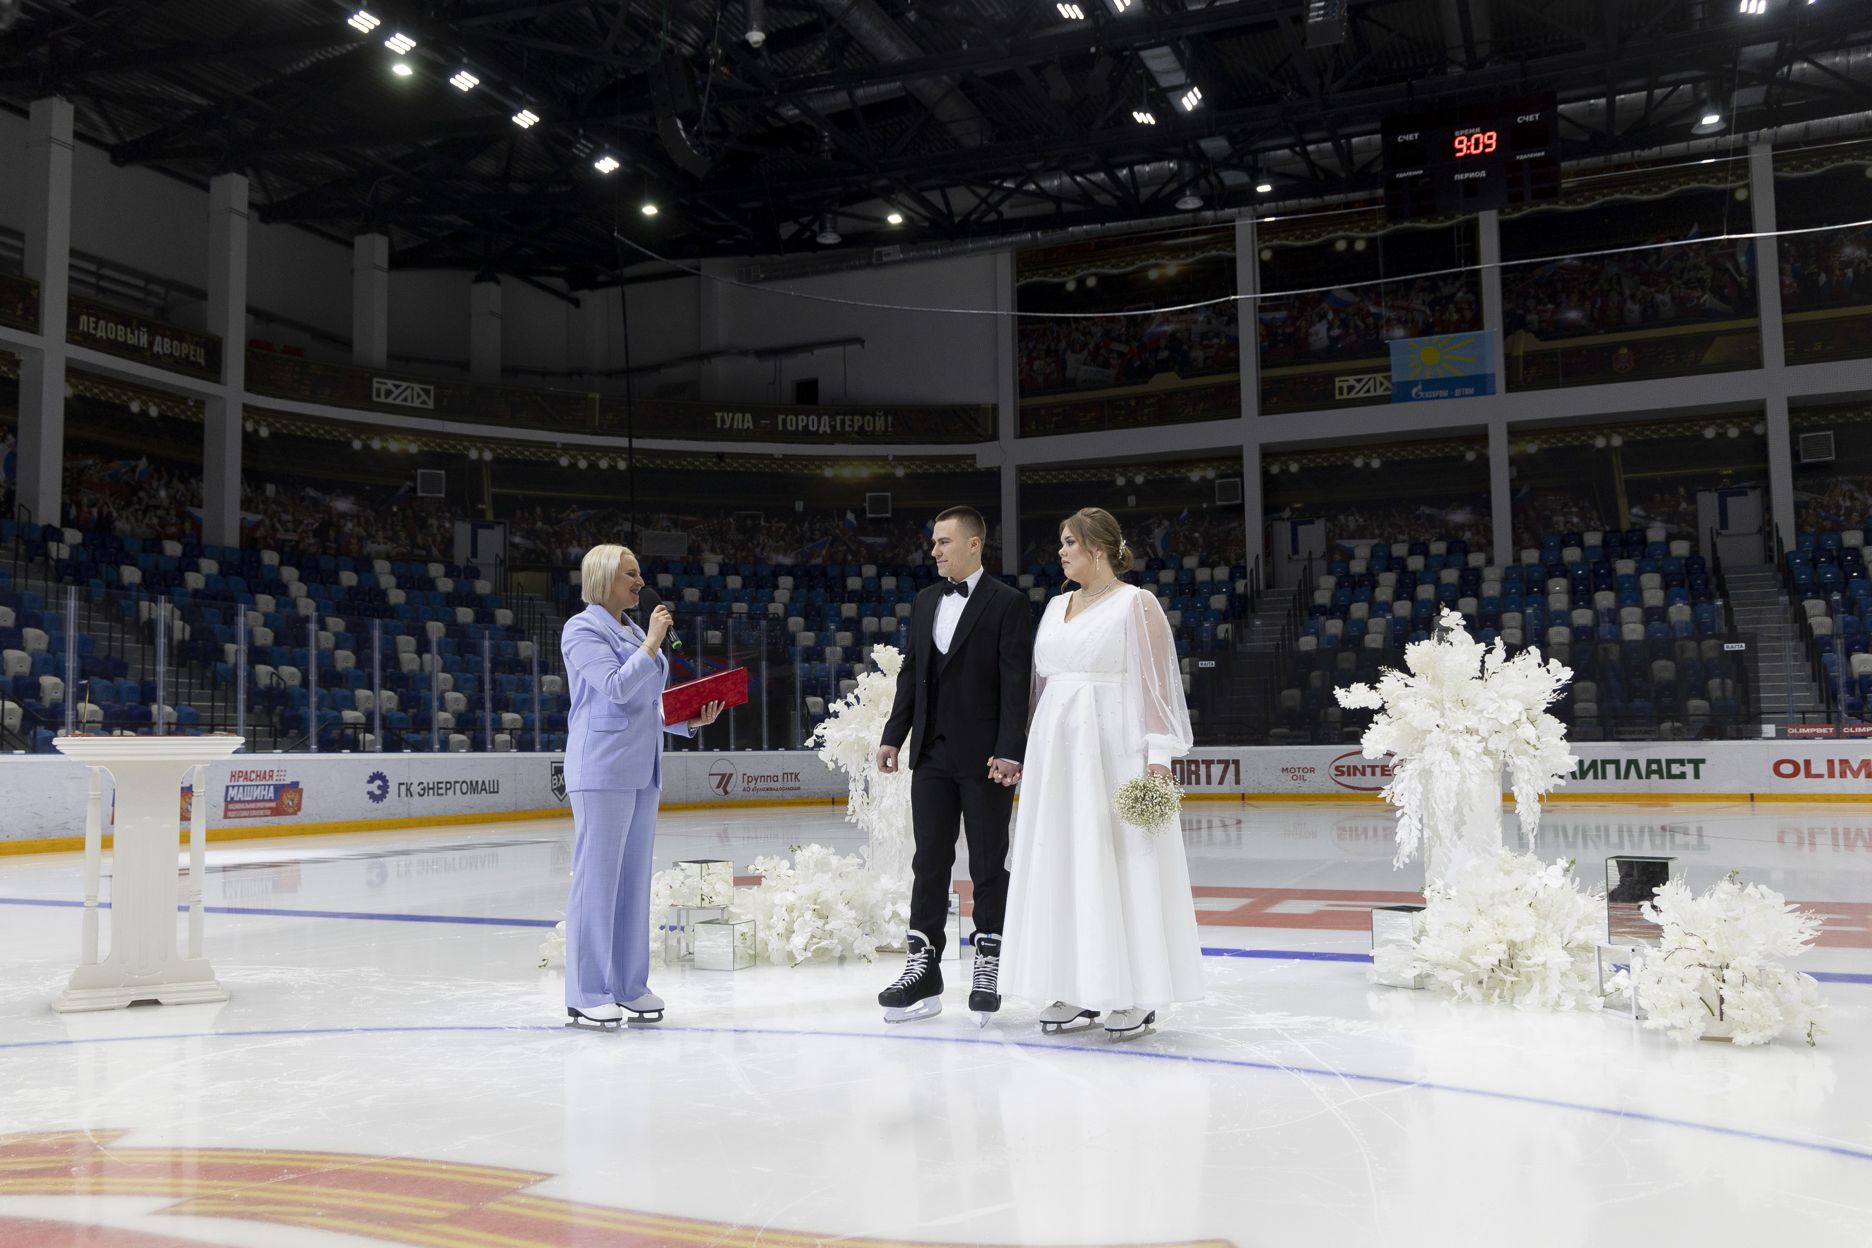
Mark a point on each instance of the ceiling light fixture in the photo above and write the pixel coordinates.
(606, 164)
(526, 119)
(1752, 8)
(464, 81)
(1263, 188)
(1192, 98)
(1071, 12)
(363, 22)
(756, 20)
(649, 209)
(401, 69)
(829, 235)
(895, 218)
(1189, 201)
(400, 43)
(1144, 117)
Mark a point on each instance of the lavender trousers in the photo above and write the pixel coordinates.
(608, 909)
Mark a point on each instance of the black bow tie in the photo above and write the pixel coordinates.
(956, 587)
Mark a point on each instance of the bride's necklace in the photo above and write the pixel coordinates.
(1089, 596)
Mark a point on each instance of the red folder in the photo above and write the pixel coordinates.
(682, 703)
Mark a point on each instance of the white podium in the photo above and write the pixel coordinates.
(143, 964)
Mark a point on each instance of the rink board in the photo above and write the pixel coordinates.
(273, 794)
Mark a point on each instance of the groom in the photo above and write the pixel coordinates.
(962, 703)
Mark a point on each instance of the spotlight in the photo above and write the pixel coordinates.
(362, 22)
(1617, 439)
(357, 444)
(1189, 202)
(828, 235)
(1137, 478)
(1709, 122)
(649, 209)
(1091, 280)
(464, 81)
(756, 16)
(895, 218)
(1733, 431)
(1071, 12)
(400, 43)
(583, 463)
(1599, 441)
(1143, 116)
(154, 411)
(1358, 461)
(1358, 244)
(565, 461)
(401, 69)
(526, 119)
(606, 164)
(376, 444)
(136, 407)
(1263, 188)
(900, 470)
(1071, 285)
(1192, 98)
(1376, 462)
(1469, 457)
(1709, 431)
(1121, 479)
(604, 465)
(1338, 244)
(264, 432)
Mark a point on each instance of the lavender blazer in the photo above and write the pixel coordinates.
(615, 729)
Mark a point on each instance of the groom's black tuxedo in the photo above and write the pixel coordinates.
(959, 710)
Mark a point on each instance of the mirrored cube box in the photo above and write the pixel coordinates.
(1394, 927)
(1615, 959)
(1629, 883)
(724, 944)
(713, 878)
(679, 930)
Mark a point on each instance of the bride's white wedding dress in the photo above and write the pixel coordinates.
(1099, 912)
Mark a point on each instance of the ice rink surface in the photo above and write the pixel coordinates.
(392, 1067)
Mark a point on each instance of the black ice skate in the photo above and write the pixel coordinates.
(985, 991)
(918, 991)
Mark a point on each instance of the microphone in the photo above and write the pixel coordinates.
(647, 602)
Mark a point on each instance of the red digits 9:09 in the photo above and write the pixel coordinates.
(1477, 144)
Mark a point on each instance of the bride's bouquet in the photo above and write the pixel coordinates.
(1150, 802)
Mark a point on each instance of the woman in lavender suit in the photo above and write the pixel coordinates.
(615, 672)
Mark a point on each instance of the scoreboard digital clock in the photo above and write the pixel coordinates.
(1459, 161)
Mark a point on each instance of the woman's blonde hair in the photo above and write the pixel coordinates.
(1097, 528)
(599, 568)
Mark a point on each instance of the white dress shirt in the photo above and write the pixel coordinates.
(949, 613)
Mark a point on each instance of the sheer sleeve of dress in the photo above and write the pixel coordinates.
(1037, 685)
(1154, 683)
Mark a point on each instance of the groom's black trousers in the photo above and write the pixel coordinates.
(941, 798)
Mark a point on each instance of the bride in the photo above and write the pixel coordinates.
(1100, 916)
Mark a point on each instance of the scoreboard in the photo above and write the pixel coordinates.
(1500, 154)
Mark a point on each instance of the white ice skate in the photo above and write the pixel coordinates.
(647, 1008)
(1060, 1018)
(603, 1017)
(1129, 1024)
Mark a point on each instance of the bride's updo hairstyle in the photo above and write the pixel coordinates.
(1097, 529)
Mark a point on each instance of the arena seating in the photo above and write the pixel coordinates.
(1633, 613)
(305, 625)
(1825, 575)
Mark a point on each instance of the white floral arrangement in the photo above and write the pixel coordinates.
(1717, 970)
(1506, 930)
(552, 949)
(822, 905)
(1150, 802)
(1451, 721)
(848, 741)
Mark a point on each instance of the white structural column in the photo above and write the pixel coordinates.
(227, 318)
(48, 177)
(370, 300)
(1774, 346)
(1501, 487)
(1007, 411)
(1248, 349)
(484, 328)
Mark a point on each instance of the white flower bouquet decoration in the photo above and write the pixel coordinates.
(1506, 930)
(1149, 802)
(822, 905)
(848, 741)
(1717, 971)
(1457, 716)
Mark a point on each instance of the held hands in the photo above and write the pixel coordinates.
(1004, 772)
(1158, 769)
(887, 759)
(661, 621)
(708, 715)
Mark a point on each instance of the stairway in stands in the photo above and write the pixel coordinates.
(1248, 677)
(1784, 690)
